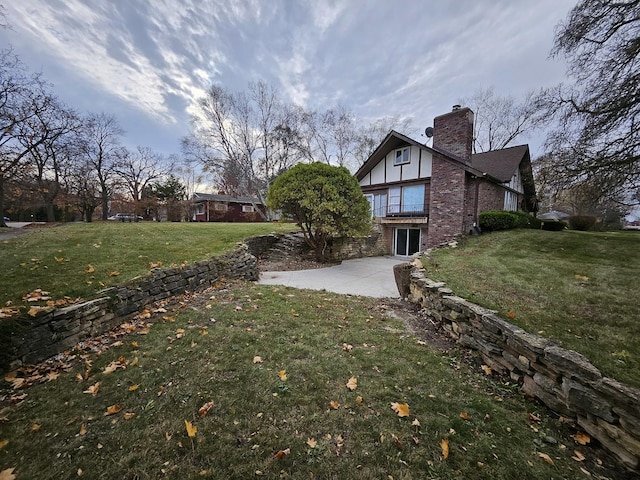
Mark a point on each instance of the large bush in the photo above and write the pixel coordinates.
(494, 220)
(326, 202)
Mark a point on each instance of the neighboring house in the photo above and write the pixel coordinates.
(226, 208)
(425, 196)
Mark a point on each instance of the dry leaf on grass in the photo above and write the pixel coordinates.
(578, 456)
(352, 384)
(257, 359)
(113, 409)
(444, 445)
(283, 375)
(93, 389)
(402, 409)
(280, 454)
(7, 474)
(204, 409)
(334, 404)
(191, 428)
(465, 416)
(546, 458)
(582, 438)
(3, 443)
(486, 369)
(312, 442)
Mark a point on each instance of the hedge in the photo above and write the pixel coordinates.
(494, 220)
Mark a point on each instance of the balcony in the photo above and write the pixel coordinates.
(418, 213)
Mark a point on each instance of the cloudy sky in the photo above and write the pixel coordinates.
(148, 61)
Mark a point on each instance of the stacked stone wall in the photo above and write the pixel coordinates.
(27, 340)
(562, 379)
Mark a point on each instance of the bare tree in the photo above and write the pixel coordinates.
(369, 136)
(47, 136)
(138, 170)
(22, 97)
(500, 121)
(102, 145)
(598, 130)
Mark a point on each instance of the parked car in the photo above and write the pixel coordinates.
(125, 217)
(6, 219)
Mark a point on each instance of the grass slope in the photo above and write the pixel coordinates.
(203, 349)
(580, 288)
(58, 259)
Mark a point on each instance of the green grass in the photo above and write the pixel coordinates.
(57, 259)
(580, 288)
(256, 414)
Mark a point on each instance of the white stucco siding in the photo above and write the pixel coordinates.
(366, 180)
(378, 174)
(516, 182)
(393, 171)
(425, 164)
(410, 170)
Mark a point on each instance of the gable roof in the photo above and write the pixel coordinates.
(501, 164)
(224, 198)
(392, 141)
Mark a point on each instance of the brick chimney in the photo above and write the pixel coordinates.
(453, 133)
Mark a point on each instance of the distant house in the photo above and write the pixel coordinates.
(424, 196)
(210, 207)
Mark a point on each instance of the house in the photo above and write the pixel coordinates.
(424, 196)
(210, 207)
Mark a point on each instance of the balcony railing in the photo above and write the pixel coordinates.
(402, 211)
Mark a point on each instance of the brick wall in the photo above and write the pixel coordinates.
(490, 196)
(448, 210)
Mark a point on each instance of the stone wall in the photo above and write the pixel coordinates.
(562, 379)
(27, 340)
(373, 245)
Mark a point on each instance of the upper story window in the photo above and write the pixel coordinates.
(402, 156)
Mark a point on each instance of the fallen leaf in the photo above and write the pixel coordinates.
(346, 347)
(3, 443)
(415, 423)
(204, 409)
(113, 409)
(134, 344)
(359, 400)
(486, 369)
(79, 472)
(511, 314)
(582, 438)
(578, 456)
(280, 454)
(546, 458)
(114, 274)
(444, 445)
(93, 389)
(402, 409)
(7, 474)
(283, 375)
(312, 442)
(59, 260)
(133, 388)
(90, 269)
(191, 429)
(129, 415)
(83, 429)
(582, 278)
(334, 404)
(396, 440)
(204, 332)
(352, 384)
(465, 416)
(257, 359)
(35, 427)
(533, 417)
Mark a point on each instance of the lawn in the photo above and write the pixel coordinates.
(78, 259)
(579, 288)
(250, 381)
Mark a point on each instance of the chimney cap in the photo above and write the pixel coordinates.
(456, 107)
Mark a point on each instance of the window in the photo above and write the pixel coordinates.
(248, 209)
(402, 156)
(413, 198)
(394, 199)
(407, 241)
(220, 207)
(510, 201)
(200, 209)
(378, 202)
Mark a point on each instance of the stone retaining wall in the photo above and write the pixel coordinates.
(27, 340)
(562, 379)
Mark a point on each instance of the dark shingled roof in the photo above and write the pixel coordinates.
(500, 164)
(225, 198)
